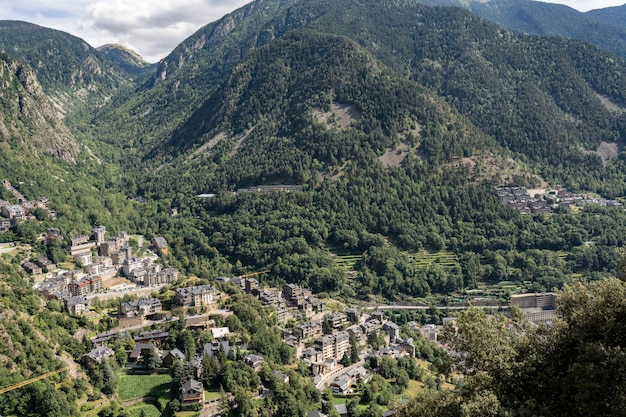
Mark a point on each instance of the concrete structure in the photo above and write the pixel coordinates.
(537, 307)
(98, 234)
(195, 296)
(143, 308)
(76, 305)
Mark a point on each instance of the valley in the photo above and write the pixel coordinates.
(300, 164)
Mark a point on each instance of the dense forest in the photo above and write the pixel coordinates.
(392, 122)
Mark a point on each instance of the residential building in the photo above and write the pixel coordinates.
(393, 329)
(191, 392)
(145, 307)
(99, 233)
(85, 285)
(158, 337)
(46, 264)
(169, 356)
(255, 361)
(195, 296)
(97, 356)
(251, 284)
(310, 330)
(538, 307)
(334, 345)
(14, 212)
(32, 268)
(336, 320)
(76, 305)
(160, 244)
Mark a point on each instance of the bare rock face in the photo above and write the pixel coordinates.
(28, 121)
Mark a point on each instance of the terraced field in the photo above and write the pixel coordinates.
(348, 262)
(425, 259)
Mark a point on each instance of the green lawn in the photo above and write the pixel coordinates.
(148, 409)
(136, 386)
(211, 395)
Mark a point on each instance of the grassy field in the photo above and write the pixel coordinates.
(211, 395)
(137, 386)
(148, 409)
(414, 388)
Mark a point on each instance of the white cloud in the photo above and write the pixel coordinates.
(152, 28)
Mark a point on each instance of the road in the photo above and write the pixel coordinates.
(415, 307)
(327, 378)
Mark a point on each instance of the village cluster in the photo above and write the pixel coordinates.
(12, 214)
(544, 202)
(322, 340)
(98, 260)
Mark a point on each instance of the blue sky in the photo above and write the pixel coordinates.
(150, 27)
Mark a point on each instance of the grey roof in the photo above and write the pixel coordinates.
(175, 353)
(341, 409)
(192, 385)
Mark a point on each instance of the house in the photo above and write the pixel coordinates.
(139, 351)
(97, 356)
(160, 244)
(316, 413)
(157, 336)
(342, 410)
(359, 374)
(195, 296)
(220, 332)
(143, 308)
(76, 305)
(281, 376)
(393, 329)
(192, 391)
(255, 361)
(169, 356)
(342, 385)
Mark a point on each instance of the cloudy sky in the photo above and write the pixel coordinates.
(150, 27)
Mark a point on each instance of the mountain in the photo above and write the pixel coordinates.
(548, 19)
(126, 59)
(29, 125)
(613, 15)
(500, 80)
(71, 72)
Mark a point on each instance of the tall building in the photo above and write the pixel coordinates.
(98, 233)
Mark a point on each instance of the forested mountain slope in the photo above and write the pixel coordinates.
(126, 59)
(42, 157)
(546, 99)
(614, 15)
(549, 19)
(29, 126)
(70, 71)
